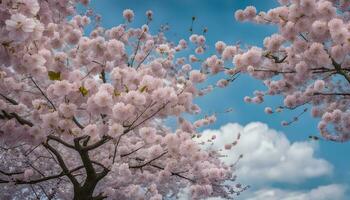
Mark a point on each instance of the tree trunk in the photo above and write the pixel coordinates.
(86, 191)
(82, 196)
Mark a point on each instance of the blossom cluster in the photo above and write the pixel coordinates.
(81, 107)
(306, 61)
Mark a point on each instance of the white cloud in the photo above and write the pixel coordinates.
(269, 157)
(327, 192)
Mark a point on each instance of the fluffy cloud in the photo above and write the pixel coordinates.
(327, 192)
(269, 157)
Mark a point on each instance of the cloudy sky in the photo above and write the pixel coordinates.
(279, 163)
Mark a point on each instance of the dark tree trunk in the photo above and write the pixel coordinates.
(82, 196)
(86, 191)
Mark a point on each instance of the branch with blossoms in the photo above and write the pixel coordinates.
(306, 60)
(35, 181)
(332, 94)
(85, 110)
(178, 174)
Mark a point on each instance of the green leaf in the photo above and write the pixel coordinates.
(83, 91)
(54, 76)
(143, 89)
(116, 93)
(126, 88)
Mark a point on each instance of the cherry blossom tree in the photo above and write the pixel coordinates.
(82, 114)
(306, 61)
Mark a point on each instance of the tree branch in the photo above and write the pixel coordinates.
(127, 154)
(46, 178)
(104, 172)
(144, 58)
(276, 58)
(174, 173)
(148, 162)
(137, 49)
(332, 94)
(77, 123)
(147, 118)
(9, 99)
(59, 140)
(17, 117)
(62, 164)
(84, 155)
(42, 92)
(340, 71)
(313, 70)
(10, 173)
(99, 143)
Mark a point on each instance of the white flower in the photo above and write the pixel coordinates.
(19, 27)
(163, 48)
(32, 6)
(103, 98)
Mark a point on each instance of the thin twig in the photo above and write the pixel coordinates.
(37, 86)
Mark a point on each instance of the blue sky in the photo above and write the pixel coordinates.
(217, 16)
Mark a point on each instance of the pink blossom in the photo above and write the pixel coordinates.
(30, 7)
(247, 99)
(194, 38)
(49, 120)
(228, 146)
(220, 46)
(149, 14)
(239, 15)
(268, 110)
(115, 47)
(73, 36)
(122, 111)
(319, 85)
(115, 130)
(163, 48)
(135, 98)
(222, 83)
(229, 52)
(319, 27)
(186, 68)
(62, 88)
(249, 12)
(128, 15)
(28, 173)
(148, 134)
(91, 130)
(67, 110)
(19, 27)
(196, 76)
(103, 99)
(156, 197)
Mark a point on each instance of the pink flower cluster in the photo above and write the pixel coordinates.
(306, 62)
(89, 108)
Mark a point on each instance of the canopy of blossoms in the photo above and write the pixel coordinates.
(81, 114)
(306, 62)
